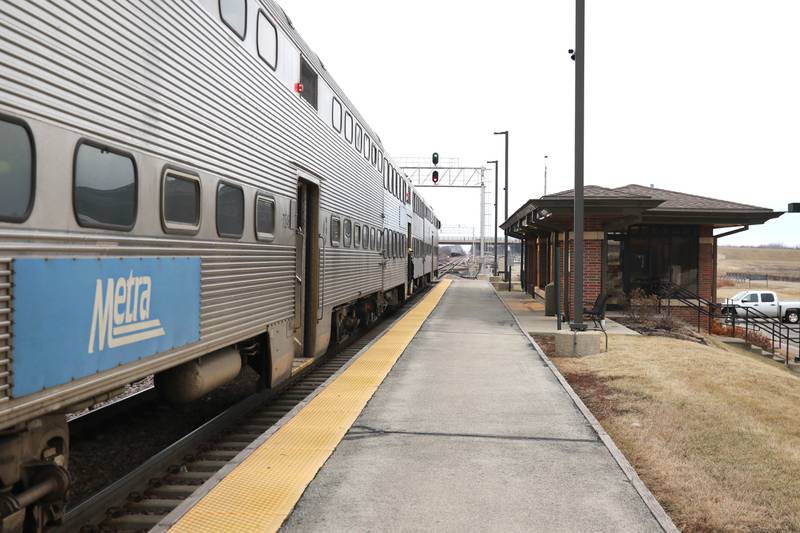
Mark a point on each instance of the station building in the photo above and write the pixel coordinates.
(635, 237)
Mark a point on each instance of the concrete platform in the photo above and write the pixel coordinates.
(530, 313)
(471, 431)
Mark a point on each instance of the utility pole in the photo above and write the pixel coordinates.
(580, 61)
(496, 192)
(545, 175)
(506, 266)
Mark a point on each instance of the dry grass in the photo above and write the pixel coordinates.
(772, 261)
(714, 433)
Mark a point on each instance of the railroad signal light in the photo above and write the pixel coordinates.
(435, 177)
(435, 158)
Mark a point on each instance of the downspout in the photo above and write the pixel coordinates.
(716, 248)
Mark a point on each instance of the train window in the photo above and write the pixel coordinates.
(348, 233)
(348, 126)
(359, 137)
(234, 15)
(309, 79)
(372, 239)
(356, 236)
(336, 115)
(268, 41)
(265, 217)
(380, 161)
(17, 171)
(230, 211)
(105, 187)
(336, 231)
(180, 202)
(374, 156)
(365, 241)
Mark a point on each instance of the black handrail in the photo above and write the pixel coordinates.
(760, 321)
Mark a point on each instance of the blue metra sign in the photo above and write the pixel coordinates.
(77, 317)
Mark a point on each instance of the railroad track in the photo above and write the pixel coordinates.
(141, 499)
(446, 268)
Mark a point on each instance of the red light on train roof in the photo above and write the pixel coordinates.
(298, 87)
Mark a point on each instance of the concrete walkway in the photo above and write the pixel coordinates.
(471, 431)
(530, 313)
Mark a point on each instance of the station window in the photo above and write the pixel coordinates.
(372, 239)
(365, 238)
(348, 126)
(348, 233)
(356, 236)
(359, 137)
(180, 202)
(309, 79)
(234, 15)
(336, 231)
(336, 115)
(17, 171)
(267, 41)
(105, 187)
(230, 211)
(265, 217)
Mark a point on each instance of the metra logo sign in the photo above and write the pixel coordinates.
(79, 317)
(121, 314)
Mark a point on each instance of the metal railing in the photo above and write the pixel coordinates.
(751, 320)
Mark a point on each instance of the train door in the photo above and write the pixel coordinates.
(307, 272)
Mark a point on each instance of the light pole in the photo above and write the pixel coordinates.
(580, 59)
(496, 163)
(545, 175)
(505, 234)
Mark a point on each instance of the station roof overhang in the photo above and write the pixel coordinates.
(551, 214)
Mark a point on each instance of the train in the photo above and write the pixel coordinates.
(184, 190)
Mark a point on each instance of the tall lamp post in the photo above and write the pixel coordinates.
(579, 54)
(505, 234)
(496, 163)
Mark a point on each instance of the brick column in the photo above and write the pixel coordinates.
(705, 264)
(592, 265)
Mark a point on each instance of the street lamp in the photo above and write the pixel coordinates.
(579, 55)
(496, 163)
(505, 233)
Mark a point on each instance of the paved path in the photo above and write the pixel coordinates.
(471, 432)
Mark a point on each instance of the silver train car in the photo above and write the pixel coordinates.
(184, 189)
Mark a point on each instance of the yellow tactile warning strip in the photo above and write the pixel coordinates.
(259, 494)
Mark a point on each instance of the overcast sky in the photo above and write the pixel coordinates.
(698, 96)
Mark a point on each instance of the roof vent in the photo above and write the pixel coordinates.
(652, 186)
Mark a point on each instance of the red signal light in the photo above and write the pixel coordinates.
(298, 87)
(435, 177)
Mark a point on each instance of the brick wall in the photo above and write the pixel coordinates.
(705, 264)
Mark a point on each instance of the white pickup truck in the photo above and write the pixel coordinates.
(765, 302)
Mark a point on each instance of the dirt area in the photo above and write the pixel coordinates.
(770, 261)
(713, 432)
